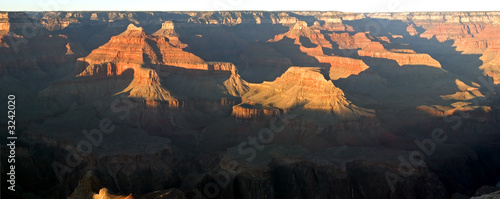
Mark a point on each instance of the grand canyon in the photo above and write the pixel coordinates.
(249, 104)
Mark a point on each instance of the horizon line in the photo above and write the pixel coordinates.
(355, 12)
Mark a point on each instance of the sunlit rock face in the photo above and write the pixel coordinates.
(307, 89)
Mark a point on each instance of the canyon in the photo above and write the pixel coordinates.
(248, 104)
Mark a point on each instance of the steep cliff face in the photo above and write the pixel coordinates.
(4, 23)
(235, 18)
(343, 67)
(347, 41)
(478, 42)
(137, 52)
(443, 25)
(484, 43)
(252, 112)
(377, 50)
(491, 60)
(171, 49)
(447, 26)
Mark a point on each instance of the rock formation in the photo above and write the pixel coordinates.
(252, 112)
(310, 41)
(305, 89)
(311, 50)
(377, 50)
(87, 187)
(346, 41)
(151, 57)
(343, 67)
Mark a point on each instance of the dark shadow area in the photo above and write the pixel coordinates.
(306, 42)
(402, 80)
(335, 50)
(308, 19)
(467, 163)
(35, 170)
(184, 83)
(261, 62)
(465, 66)
(378, 27)
(288, 48)
(93, 33)
(423, 85)
(394, 92)
(224, 43)
(156, 50)
(429, 82)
